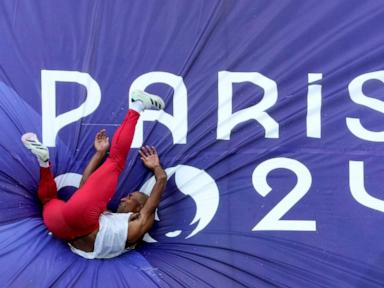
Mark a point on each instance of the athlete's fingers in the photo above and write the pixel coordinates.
(154, 150)
(142, 154)
(148, 149)
(100, 134)
(144, 151)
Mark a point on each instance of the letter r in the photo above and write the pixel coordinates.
(227, 120)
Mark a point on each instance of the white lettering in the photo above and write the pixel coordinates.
(53, 123)
(178, 123)
(356, 185)
(228, 120)
(314, 106)
(356, 93)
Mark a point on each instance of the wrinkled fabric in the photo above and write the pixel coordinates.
(197, 241)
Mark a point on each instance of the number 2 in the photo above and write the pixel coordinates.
(272, 221)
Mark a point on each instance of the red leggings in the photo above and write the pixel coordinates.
(79, 216)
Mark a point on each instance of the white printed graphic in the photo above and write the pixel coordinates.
(356, 184)
(176, 123)
(314, 105)
(357, 95)
(227, 119)
(197, 184)
(53, 123)
(68, 179)
(272, 221)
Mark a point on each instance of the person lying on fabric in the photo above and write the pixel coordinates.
(83, 221)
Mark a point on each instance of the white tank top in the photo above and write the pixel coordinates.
(111, 238)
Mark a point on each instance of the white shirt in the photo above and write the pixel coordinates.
(111, 237)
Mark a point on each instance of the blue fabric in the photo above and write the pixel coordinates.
(115, 42)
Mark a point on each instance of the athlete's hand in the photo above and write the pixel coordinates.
(149, 157)
(101, 141)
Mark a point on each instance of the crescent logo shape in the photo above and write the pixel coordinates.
(197, 184)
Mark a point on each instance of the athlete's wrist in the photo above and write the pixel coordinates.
(101, 153)
(160, 173)
(157, 167)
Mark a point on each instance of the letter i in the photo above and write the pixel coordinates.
(314, 106)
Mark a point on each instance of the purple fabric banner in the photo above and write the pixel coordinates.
(272, 138)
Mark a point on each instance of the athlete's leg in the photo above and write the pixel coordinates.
(82, 211)
(122, 140)
(80, 215)
(92, 198)
(47, 186)
(47, 189)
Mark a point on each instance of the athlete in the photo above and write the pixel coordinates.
(82, 221)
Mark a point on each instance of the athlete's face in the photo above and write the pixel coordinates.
(132, 203)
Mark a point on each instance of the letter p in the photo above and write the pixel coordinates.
(53, 123)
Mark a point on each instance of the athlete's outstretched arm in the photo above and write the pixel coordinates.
(144, 221)
(152, 161)
(101, 145)
(147, 213)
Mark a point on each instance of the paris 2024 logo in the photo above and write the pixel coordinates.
(200, 187)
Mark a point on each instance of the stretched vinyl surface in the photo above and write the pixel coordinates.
(272, 138)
